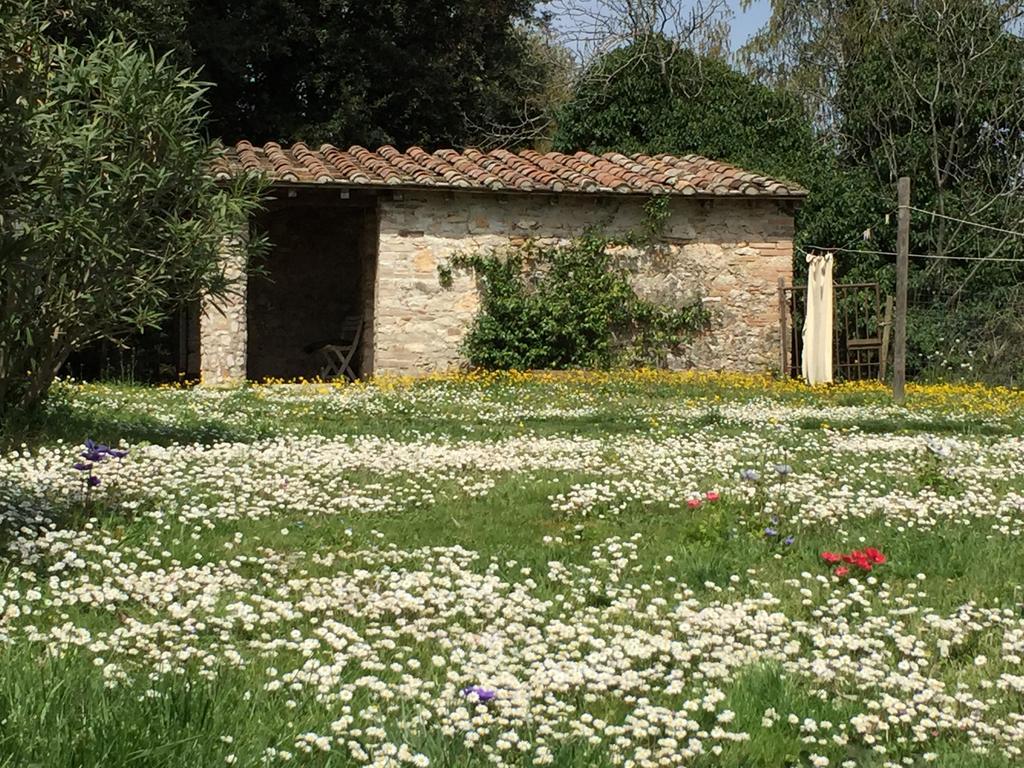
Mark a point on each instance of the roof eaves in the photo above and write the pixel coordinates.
(689, 191)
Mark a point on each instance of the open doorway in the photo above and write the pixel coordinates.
(318, 273)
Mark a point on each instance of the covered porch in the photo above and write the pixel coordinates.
(307, 302)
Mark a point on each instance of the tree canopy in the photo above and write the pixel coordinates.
(934, 90)
(430, 72)
(692, 103)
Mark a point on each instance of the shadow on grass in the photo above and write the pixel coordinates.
(58, 421)
(933, 426)
(28, 510)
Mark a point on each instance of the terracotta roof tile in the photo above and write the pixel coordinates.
(499, 170)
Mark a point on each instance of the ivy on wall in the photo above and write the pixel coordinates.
(571, 305)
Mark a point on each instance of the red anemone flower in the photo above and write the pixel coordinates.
(874, 555)
(860, 559)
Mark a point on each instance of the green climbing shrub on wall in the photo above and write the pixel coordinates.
(569, 306)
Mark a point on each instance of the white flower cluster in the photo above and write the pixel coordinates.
(241, 555)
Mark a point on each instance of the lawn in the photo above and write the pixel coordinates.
(574, 570)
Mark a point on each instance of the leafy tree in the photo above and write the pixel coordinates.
(394, 71)
(800, 49)
(682, 102)
(933, 90)
(159, 24)
(109, 215)
(432, 72)
(21, 75)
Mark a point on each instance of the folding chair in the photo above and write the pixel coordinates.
(338, 353)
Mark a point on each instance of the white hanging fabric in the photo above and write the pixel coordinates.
(816, 361)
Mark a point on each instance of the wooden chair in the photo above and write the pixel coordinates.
(339, 352)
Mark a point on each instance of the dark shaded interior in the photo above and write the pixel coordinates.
(166, 353)
(312, 278)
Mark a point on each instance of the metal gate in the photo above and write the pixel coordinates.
(860, 328)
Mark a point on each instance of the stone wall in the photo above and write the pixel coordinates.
(728, 252)
(223, 330)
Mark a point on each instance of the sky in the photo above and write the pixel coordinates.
(744, 23)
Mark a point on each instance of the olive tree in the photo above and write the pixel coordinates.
(109, 218)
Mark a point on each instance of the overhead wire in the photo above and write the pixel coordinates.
(935, 214)
(869, 252)
(989, 227)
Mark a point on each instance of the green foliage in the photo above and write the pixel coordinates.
(567, 306)
(692, 104)
(711, 527)
(952, 119)
(933, 470)
(932, 90)
(404, 72)
(110, 218)
(160, 24)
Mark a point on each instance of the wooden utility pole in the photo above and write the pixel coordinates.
(899, 354)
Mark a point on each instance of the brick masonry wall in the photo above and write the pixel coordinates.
(728, 252)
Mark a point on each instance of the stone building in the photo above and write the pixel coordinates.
(362, 233)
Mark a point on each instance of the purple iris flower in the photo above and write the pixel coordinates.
(788, 540)
(96, 453)
(770, 532)
(483, 694)
(99, 452)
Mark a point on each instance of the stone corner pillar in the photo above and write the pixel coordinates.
(223, 333)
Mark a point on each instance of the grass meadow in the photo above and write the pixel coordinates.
(627, 569)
